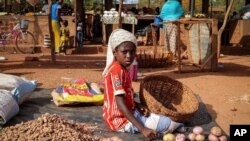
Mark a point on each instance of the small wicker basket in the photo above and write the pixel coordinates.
(166, 96)
(24, 24)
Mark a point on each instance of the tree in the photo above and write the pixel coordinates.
(223, 27)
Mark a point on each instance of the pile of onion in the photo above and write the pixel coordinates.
(172, 137)
(169, 137)
(197, 134)
(216, 134)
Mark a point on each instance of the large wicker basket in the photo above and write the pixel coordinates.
(169, 97)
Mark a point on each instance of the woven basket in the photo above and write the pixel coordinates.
(169, 97)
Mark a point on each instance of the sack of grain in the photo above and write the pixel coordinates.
(8, 106)
(20, 88)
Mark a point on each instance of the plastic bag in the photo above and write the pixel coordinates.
(77, 91)
(66, 99)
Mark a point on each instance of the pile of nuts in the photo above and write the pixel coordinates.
(49, 127)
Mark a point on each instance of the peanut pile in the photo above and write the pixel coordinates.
(49, 127)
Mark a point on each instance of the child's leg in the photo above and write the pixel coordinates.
(159, 123)
(79, 39)
(162, 124)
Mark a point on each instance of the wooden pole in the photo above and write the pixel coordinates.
(223, 27)
(52, 52)
(178, 45)
(154, 39)
(205, 6)
(119, 13)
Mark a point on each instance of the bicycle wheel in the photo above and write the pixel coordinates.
(25, 42)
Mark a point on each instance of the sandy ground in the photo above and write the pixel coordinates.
(226, 93)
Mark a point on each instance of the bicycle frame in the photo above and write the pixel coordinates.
(14, 32)
(24, 40)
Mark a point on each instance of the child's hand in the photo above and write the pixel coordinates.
(149, 133)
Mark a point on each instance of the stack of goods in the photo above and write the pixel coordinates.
(49, 127)
(112, 17)
(77, 91)
(198, 134)
(14, 90)
(216, 134)
(111, 13)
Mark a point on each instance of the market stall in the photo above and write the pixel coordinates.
(197, 38)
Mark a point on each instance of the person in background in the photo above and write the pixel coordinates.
(45, 8)
(97, 26)
(120, 112)
(145, 10)
(171, 11)
(134, 11)
(64, 37)
(79, 31)
(56, 19)
(157, 11)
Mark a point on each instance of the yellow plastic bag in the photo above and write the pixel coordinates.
(66, 99)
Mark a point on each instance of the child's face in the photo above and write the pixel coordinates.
(125, 53)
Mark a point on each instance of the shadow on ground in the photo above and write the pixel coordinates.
(41, 102)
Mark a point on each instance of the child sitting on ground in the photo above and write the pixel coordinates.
(120, 112)
(64, 37)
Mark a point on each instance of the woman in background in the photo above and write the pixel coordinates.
(56, 19)
(171, 11)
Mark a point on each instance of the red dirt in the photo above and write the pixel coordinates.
(226, 93)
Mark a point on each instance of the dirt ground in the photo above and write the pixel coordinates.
(226, 93)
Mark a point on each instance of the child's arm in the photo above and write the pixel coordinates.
(149, 133)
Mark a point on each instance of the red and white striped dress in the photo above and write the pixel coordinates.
(117, 81)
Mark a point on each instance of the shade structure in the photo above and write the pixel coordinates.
(32, 2)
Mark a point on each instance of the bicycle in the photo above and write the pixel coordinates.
(24, 40)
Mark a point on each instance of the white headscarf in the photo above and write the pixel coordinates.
(117, 37)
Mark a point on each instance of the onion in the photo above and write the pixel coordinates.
(223, 138)
(200, 137)
(212, 137)
(216, 131)
(198, 130)
(115, 138)
(169, 137)
(191, 136)
(180, 137)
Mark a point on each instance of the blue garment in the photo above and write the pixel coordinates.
(79, 38)
(54, 9)
(158, 20)
(158, 123)
(171, 10)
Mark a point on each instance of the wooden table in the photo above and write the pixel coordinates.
(114, 21)
(201, 42)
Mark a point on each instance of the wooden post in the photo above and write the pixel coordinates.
(178, 40)
(104, 34)
(199, 43)
(154, 39)
(52, 51)
(78, 11)
(119, 13)
(214, 60)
